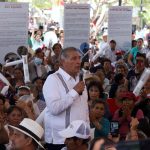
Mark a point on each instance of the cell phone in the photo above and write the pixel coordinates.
(114, 128)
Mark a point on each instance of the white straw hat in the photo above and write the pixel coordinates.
(32, 129)
(78, 128)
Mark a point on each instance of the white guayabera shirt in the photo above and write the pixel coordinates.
(57, 103)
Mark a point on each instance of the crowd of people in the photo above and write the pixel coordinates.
(75, 100)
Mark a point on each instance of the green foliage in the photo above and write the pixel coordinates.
(145, 7)
(8, 0)
(42, 4)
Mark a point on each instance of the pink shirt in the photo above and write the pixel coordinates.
(124, 122)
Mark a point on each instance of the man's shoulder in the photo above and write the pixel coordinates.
(52, 76)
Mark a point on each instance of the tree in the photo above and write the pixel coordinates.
(42, 4)
(144, 7)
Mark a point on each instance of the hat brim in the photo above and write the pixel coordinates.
(27, 135)
(67, 133)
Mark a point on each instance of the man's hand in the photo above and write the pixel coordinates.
(79, 88)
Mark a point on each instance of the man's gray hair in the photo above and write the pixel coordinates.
(64, 52)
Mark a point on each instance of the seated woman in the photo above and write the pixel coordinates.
(100, 123)
(123, 114)
(95, 91)
(114, 103)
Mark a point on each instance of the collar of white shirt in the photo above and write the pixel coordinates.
(65, 75)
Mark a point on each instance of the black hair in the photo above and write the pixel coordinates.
(144, 126)
(141, 55)
(118, 77)
(2, 98)
(105, 60)
(22, 50)
(84, 141)
(56, 44)
(35, 79)
(140, 39)
(113, 41)
(133, 41)
(37, 51)
(97, 101)
(1, 65)
(41, 27)
(98, 85)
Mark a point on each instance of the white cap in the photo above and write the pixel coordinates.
(78, 128)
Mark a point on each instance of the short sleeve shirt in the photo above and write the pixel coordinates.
(134, 52)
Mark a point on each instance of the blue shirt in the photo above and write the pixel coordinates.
(103, 132)
(134, 52)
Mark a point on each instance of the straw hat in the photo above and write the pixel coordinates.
(31, 129)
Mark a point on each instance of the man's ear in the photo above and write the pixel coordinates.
(28, 141)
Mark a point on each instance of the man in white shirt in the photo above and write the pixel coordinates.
(50, 37)
(103, 45)
(110, 51)
(66, 98)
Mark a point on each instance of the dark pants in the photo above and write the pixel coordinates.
(54, 146)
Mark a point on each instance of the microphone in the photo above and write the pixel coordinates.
(80, 78)
(81, 75)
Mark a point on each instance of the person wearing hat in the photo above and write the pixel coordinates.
(77, 135)
(50, 37)
(27, 135)
(123, 114)
(103, 44)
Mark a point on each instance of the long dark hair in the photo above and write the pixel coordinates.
(98, 85)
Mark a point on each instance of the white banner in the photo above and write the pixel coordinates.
(76, 24)
(13, 27)
(120, 26)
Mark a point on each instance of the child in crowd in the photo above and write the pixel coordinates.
(101, 124)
